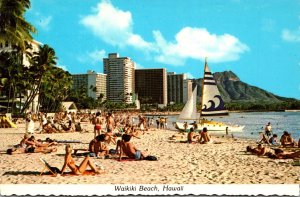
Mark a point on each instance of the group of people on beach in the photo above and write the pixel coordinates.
(286, 139)
(107, 128)
(275, 148)
(31, 145)
(202, 137)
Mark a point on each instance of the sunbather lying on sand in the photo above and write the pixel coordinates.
(259, 150)
(280, 154)
(129, 149)
(176, 137)
(77, 170)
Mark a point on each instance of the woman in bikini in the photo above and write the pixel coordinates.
(77, 170)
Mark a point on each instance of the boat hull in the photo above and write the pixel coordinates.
(215, 127)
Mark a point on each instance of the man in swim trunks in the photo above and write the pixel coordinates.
(205, 137)
(97, 122)
(129, 149)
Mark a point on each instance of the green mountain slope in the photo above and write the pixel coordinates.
(232, 89)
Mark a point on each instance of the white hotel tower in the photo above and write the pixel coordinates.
(120, 78)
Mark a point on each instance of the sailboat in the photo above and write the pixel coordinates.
(212, 105)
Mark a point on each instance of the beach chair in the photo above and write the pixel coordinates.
(47, 166)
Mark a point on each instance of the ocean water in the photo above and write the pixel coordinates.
(255, 122)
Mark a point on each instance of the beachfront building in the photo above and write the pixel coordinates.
(120, 78)
(94, 84)
(8, 47)
(151, 86)
(188, 86)
(175, 87)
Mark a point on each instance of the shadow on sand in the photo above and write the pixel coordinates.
(16, 173)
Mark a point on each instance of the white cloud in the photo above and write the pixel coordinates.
(190, 75)
(198, 43)
(92, 57)
(139, 66)
(291, 36)
(97, 56)
(114, 26)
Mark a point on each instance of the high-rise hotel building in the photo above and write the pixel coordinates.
(188, 87)
(175, 87)
(120, 78)
(151, 86)
(94, 83)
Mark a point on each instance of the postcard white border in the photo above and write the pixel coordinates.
(158, 189)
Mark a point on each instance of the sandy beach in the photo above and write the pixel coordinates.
(178, 163)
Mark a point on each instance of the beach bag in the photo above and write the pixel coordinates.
(150, 158)
(112, 151)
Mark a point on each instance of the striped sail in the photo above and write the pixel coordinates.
(189, 111)
(212, 102)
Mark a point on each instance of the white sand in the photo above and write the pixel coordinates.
(178, 163)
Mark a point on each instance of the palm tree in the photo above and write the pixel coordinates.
(42, 61)
(54, 89)
(12, 68)
(14, 29)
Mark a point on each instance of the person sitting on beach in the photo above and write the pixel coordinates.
(47, 128)
(281, 154)
(287, 140)
(273, 140)
(110, 136)
(100, 149)
(264, 138)
(77, 170)
(129, 149)
(191, 135)
(205, 137)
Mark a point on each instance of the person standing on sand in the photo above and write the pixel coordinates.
(110, 122)
(142, 123)
(97, 122)
(268, 129)
(157, 122)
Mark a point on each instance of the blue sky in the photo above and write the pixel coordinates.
(259, 40)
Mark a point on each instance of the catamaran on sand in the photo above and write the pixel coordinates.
(212, 105)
